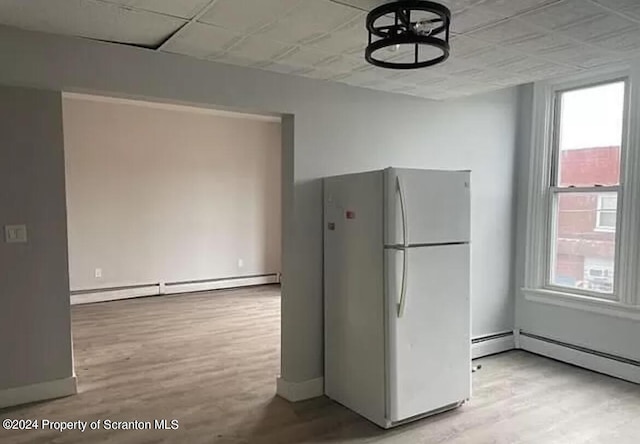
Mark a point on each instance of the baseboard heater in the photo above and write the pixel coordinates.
(144, 290)
(601, 362)
(492, 344)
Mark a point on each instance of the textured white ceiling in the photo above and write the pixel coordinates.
(495, 43)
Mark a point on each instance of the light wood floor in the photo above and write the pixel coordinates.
(210, 361)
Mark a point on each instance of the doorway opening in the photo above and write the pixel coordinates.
(175, 224)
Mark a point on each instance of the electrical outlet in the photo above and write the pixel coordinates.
(98, 273)
(15, 234)
(240, 263)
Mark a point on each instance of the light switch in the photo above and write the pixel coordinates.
(15, 234)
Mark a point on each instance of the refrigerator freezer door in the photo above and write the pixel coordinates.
(429, 345)
(436, 206)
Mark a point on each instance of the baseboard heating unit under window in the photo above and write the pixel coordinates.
(601, 362)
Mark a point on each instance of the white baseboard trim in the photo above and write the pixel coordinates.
(105, 295)
(590, 361)
(38, 392)
(299, 391)
(220, 284)
(114, 295)
(484, 347)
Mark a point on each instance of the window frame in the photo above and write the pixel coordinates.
(599, 210)
(540, 217)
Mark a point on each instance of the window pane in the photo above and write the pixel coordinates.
(607, 202)
(583, 252)
(607, 220)
(591, 121)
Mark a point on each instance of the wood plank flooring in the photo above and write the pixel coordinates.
(210, 361)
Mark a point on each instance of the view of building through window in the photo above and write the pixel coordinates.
(588, 156)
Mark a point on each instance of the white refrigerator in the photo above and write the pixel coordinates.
(397, 292)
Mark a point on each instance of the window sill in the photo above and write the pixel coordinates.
(604, 230)
(584, 303)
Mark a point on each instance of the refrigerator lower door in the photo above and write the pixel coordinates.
(429, 344)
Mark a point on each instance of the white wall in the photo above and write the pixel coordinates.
(35, 330)
(168, 194)
(330, 129)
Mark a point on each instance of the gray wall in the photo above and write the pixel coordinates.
(595, 331)
(338, 128)
(34, 284)
(169, 194)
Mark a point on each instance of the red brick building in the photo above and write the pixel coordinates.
(586, 222)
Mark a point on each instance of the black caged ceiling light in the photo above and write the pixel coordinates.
(408, 34)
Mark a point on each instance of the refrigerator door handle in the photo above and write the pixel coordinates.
(403, 212)
(405, 252)
(403, 286)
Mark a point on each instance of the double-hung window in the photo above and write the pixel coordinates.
(583, 222)
(587, 135)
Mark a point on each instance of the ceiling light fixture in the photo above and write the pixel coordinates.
(416, 29)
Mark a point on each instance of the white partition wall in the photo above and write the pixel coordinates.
(170, 197)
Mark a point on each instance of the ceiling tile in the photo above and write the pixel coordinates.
(512, 7)
(309, 21)
(396, 87)
(303, 58)
(182, 8)
(414, 77)
(484, 76)
(536, 68)
(627, 40)
(422, 77)
(203, 41)
(254, 50)
(450, 67)
(367, 5)
(583, 56)
(474, 18)
(564, 14)
(102, 21)
(247, 15)
(630, 8)
(493, 56)
(542, 43)
(481, 88)
(348, 39)
(471, 73)
(598, 28)
(500, 78)
(399, 74)
(462, 46)
(619, 5)
(507, 32)
(550, 70)
(460, 5)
